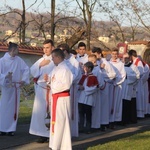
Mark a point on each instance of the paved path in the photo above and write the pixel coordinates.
(24, 141)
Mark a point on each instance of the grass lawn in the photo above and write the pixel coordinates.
(25, 111)
(139, 141)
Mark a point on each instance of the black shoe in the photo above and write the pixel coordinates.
(2, 133)
(42, 140)
(10, 133)
(103, 128)
(88, 132)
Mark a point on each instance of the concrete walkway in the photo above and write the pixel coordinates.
(24, 141)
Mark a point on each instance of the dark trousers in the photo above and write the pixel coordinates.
(129, 113)
(85, 114)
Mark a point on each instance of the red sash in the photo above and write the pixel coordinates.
(55, 98)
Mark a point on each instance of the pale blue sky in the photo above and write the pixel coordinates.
(45, 6)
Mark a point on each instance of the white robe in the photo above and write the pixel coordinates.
(39, 112)
(82, 60)
(140, 93)
(116, 101)
(131, 80)
(109, 74)
(144, 78)
(61, 80)
(74, 67)
(8, 102)
(96, 109)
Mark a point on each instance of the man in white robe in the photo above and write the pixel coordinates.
(61, 80)
(109, 74)
(129, 114)
(144, 79)
(13, 74)
(42, 93)
(82, 57)
(140, 93)
(74, 67)
(116, 101)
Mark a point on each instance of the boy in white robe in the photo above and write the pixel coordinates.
(96, 109)
(74, 67)
(88, 86)
(42, 93)
(13, 74)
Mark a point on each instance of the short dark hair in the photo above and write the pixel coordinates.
(89, 65)
(132, 53)
(64, 47)
(73, 52)
(81, 44)
(97, 50)
(48, 41)
(12, 46)
(58, 52)
(115, 49)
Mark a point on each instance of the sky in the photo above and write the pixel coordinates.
(45, 6)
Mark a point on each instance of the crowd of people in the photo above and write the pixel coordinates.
(74, 92)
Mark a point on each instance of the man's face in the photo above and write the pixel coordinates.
(55, 59)
(14, 52)
(81, 50)
(114, 55)
(47, 49)
(98, 55)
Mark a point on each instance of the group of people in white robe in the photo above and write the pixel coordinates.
(100, 92)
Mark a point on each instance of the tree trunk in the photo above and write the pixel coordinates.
(52, 19)
(23, 24)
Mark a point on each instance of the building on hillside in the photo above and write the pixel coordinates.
(8, 32)
(103, 39)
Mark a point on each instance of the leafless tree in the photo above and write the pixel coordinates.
(87, 8)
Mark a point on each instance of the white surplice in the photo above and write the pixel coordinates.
(96, 109)
(116, 100)
(74, 67)
(10, 98)
(109, 74)
(140, 93)
(39, 112)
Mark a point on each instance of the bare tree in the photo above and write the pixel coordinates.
(87, 8)
(129, 16)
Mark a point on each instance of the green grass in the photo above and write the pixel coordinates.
(139, 141)
(25, 111)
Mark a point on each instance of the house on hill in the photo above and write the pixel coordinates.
(28, 53)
